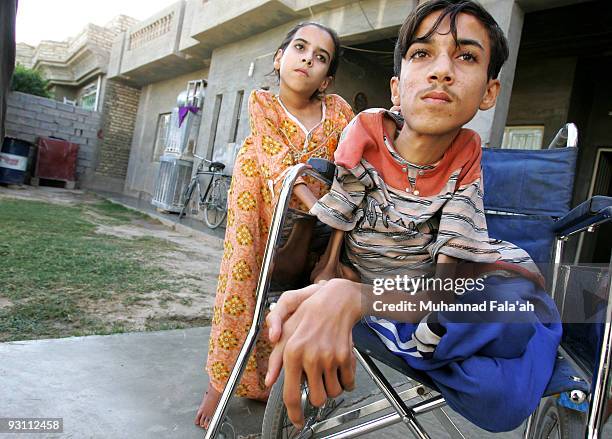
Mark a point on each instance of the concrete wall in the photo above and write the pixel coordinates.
(155, 99)
(228, 74)
(29, 117)
(541, 93)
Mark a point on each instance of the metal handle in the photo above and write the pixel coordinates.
(566, 137)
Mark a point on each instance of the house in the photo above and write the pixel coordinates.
(559, 53)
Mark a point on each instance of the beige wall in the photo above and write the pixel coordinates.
(156, 98)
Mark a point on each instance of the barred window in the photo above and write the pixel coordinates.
(161, 134)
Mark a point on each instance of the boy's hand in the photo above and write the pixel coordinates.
(316, 342)
(287, 304)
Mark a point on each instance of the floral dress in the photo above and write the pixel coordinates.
(277, 141)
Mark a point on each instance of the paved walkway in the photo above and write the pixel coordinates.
(135, 385)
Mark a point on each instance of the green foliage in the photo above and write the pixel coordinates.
(29, 81)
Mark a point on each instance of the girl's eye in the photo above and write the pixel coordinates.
(299, 46)
(419, 53)
(322, 58)
(467, 56)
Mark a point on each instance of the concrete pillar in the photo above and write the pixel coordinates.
(8, 12)
(490, 124)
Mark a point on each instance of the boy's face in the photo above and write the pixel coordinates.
(442, 85)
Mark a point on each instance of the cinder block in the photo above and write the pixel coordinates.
(48, 126)
(82, 111)
(47, 103)
(65, 107)
(63, 122)
(14, 96)
(69, 116)
(45, 133)
(20, 135)
(80, 126)
(29, 122)
(12, 118)
(45, 117)
(65, 130)
(22, 113)
(51, 112)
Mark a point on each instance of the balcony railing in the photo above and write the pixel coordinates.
(150, 32)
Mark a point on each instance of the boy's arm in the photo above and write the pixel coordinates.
(304, 194)
(446, 266)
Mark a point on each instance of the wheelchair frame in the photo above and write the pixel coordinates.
(403, 413)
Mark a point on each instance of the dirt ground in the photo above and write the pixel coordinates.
(193, 262)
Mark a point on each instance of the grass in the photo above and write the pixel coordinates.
(56, 268)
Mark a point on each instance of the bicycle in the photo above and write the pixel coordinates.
(214, 200)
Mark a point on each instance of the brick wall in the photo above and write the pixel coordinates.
(119, 109)
(29, 117)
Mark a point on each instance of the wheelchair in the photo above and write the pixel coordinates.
(527, 199)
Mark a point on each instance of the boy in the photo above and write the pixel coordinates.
(409, 198)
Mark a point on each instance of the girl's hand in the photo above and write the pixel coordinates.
(287, 304)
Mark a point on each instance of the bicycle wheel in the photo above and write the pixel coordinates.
(187, 193)
(215, 205)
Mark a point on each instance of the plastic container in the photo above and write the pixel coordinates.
(14, 160)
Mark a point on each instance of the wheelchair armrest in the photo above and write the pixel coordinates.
(326, 168)
(592, 212)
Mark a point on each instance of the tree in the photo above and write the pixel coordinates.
(29, 81)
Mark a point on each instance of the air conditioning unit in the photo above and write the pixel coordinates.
(174, 174)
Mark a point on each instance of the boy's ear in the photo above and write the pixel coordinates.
(490, 96)
(395, 91)
(277, 58)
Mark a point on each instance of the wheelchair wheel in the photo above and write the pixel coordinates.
(558, 422)
(276, 424)
(215, 206)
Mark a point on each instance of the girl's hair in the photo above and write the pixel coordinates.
(335, 59)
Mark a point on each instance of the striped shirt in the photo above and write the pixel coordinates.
(399, 216)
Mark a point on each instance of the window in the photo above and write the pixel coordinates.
(161, 135)
(215, 122)
(523, 137)
(236, 118)
(88, 97)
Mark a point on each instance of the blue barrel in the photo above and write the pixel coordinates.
(14, 160)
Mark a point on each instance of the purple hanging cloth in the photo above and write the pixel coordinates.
(183, 111)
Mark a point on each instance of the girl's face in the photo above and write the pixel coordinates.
(304, 63)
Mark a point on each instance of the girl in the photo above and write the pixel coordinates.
(300, 123)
